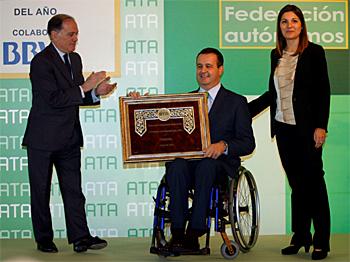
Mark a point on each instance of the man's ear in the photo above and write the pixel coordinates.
(221, 69)
(53, 35)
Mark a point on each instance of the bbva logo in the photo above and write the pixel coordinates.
(20, 53)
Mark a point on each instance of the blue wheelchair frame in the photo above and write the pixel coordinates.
(227, 207)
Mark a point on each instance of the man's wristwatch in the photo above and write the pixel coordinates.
(225, 144)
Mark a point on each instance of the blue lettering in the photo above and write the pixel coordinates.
(13, 56)
(6, 48)
(25, 50)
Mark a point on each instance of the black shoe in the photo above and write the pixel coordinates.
(48, 247)
(80, 246)
(176, 247)
(294, 249)
(181, 249)
(89, 243)
(186, 247)
(318, 254)
(191, 243)
(165, 252)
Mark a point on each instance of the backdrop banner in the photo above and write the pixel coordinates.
(144, 52)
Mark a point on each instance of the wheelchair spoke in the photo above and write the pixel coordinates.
(245, 210)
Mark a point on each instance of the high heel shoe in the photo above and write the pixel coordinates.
(294, 249)
(318, 254)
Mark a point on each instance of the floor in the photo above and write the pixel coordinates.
(267, 248)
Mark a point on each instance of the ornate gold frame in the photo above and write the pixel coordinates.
(146, 142)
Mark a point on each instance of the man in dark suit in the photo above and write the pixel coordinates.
(231, 137)
(53, 136)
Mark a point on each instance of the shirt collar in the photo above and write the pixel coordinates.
(60, 52)
(212, 91)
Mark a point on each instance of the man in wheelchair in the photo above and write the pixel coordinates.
(231, 137)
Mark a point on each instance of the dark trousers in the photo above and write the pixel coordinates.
(183, 175)
(67, 164)
(303, 165)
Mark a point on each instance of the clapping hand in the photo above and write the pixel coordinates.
(105, 87)
(93, 80)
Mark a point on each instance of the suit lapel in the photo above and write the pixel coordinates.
(57, 60)
(216, 102)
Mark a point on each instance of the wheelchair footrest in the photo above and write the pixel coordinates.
(163, 251)
(168, 252)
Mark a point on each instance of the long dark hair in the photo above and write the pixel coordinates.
(281, 42)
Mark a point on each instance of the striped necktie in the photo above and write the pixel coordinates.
(210, 100)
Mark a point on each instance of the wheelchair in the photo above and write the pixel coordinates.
(235, 204)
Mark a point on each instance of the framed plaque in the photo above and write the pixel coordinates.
(164, 127)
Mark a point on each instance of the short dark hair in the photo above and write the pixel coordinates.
(55, 23)
(211, 50)
(303, 39)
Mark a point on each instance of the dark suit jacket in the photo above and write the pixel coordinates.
(54, 115)
(311, 93)
(230, 121)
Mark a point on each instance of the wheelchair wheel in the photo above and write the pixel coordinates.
(161, 220)
(225, 252)
(244, 209)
